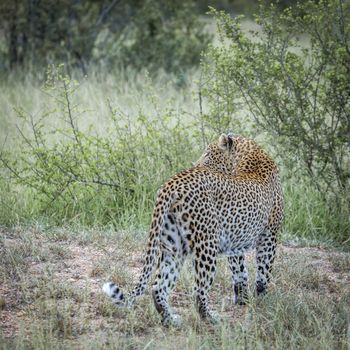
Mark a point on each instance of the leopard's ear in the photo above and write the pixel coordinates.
(226, 142)
(223, 142)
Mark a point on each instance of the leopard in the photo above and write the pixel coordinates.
(228, 203)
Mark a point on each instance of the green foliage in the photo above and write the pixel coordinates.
(39, 32)
(309, 217)
(103, 164)
(293, 78)
(97, 178)
(151, 34)
(165, 34)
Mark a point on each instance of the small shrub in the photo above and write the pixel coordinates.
(164, 35)
(292, 77)
(287, 83)
(95, 179)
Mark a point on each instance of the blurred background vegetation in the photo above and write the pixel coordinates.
(101, 101)
(147, 33)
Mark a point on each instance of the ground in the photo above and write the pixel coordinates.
(51, 297)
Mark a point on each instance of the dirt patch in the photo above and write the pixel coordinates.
(10, 311)
(85, 267)
(78, 266)
(78, 269)
(333, 264)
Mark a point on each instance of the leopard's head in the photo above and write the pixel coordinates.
(233, 154)
(218, 156)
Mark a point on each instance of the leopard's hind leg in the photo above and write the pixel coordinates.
(266, 246)
(205, 259)
(265, 255)
(172, 257)
(239, 278)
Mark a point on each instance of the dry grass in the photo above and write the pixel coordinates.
(51, 298)
(128, 91)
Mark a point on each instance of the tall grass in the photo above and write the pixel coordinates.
(129, 126)
(151, 130)
(131, 91)
(309, 217)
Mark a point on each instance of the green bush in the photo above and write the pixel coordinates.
(142, 34)
(92, 178)
(292, 77)
(166, 35)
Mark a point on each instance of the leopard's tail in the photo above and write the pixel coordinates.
(160, 213)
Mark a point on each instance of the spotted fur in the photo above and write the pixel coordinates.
(229, 202)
